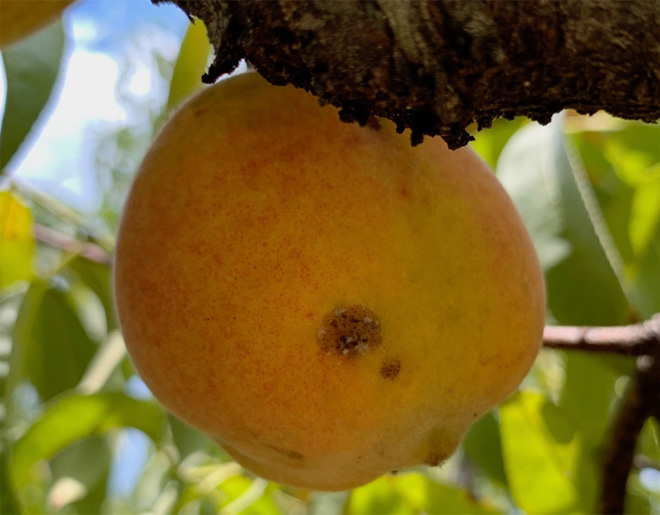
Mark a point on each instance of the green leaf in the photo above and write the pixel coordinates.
(541, 448)
(587, 399)
(583, 268)
(98, 278)
(188, 439)
(483, 447)
(380, 496)
(81, 473)
(31, 68)
(51, 345)
(74, 417)
(648, 443)
(413, 493)
(323, 503)
(8, 501)
(17, 245)
(190, 64)
(623, 164)
(490, 142)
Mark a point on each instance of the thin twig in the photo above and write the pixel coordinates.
(640, 402)
(632, 340)
(66, 243)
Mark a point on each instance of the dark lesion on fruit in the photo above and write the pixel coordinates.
(390, 368)
(349, 331)
(289, 453)
(434, 459)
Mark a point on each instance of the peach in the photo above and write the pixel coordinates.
(326, 301)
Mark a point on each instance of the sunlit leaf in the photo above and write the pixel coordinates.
(541, 449)
(17, 245)
(582, 265)
(246, 495)
(190, 64)
(489, 142)
(52, 347)
(483, 447)
(381, 496)
(648, 444)
(31, 67)
(72, 418)
(413, 493)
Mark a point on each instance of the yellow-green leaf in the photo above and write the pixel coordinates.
(190, 64)
(17, 246)
(72, 418)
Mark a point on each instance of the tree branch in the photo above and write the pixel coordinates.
(437, 66)
(641, 402)
(632, 340)
(66, 243)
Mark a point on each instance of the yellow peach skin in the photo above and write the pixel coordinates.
(20, 18)
(324, 300)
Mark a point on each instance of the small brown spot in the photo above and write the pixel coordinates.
(294, 455)
(390, 368)
(434, 459)
(349, 331)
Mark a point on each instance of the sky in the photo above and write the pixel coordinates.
(103, 36)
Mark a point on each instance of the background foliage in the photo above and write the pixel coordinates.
(79, 433)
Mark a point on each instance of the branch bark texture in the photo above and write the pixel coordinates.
(437, 66)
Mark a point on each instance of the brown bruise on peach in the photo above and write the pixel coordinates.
(349, 331)
(390, 368)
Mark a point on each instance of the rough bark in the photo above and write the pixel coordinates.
(438, 66)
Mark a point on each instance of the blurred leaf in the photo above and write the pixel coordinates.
(488, 143)
(106, 361)
(563, 218)
(588, 399)
(540, 453)
(8, 501)
(98, 278)
(623, 164)
(483, 447)
(74, 417)
(247, 495)
(31, 68)
(84, 464)
(413, 493)
(154, 484)
(588, 392)
(648, 443)
(52, 345)
(639, 499)
(17, 246)
(644, 276)
(325, 503)
(188, 439)
(190, 64)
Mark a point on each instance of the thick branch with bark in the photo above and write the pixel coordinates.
(437, 66)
